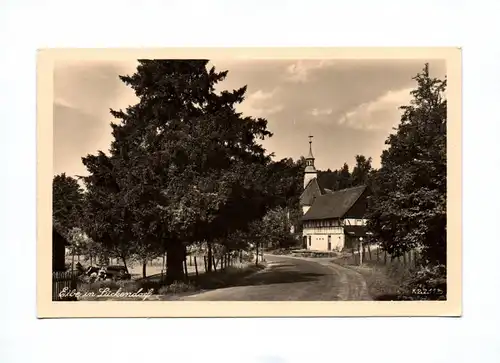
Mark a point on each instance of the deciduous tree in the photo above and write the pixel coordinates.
(408, 206)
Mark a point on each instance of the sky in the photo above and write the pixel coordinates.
(349, 106)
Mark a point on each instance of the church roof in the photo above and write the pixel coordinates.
(311, 191)
(333, 205)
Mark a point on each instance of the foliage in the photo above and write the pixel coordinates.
(362, 171)
(361, 174)
(67, 203)
(408, 206)
(428, 283)
(176, 287)
(183, 167)
(80, 243)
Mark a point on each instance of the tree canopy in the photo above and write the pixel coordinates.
(67, 203)
(183, 166)
(408, 206)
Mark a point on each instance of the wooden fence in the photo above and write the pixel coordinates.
(194, 265)
(373, 254)
(61, 280)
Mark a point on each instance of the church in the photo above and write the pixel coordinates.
(332, 220)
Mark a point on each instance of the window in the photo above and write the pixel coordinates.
(309, 241)
(359, 222)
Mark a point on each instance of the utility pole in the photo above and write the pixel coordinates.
(361, 251)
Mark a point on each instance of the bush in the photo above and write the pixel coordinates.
(281, 251)
(428, 283)
(176, 287)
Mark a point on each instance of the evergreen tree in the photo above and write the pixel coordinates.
(184, 166)
(362, 171)
(344, 179)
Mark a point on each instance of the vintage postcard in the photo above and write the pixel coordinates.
(249, 182)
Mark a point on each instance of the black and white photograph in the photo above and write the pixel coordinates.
(248, 178)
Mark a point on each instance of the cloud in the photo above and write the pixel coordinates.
(260, 104)
(261, 95)
(381, 113)
(300, 70)
(321, 112)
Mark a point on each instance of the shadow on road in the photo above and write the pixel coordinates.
(280, 277)
(281, 273)
(273, 275)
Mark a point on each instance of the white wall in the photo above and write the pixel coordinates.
(319, 238)
(305, 208)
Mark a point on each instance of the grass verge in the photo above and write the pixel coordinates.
(228, 277)
(383, 281)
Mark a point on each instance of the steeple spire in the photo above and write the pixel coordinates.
(310, 156)
(310, 171)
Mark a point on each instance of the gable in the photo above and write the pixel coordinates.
(358, 209)
(310, 193)
(338, 204)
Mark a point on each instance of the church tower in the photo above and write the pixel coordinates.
(310, 171)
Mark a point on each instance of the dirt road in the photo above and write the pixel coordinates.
(294, 279)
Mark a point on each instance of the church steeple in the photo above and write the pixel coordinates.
(310, 171)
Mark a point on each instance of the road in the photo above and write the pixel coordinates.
(294, 279)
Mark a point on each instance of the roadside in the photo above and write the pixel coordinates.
(352, 283)
(383, 280)
(152, 288)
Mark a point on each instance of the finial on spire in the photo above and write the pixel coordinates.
(310, 156)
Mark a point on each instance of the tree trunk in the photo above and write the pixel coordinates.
(144, 264)
(257, 254)
(175, 260)
(124, 263)
(209, 257)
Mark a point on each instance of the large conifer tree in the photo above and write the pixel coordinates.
(183, 165)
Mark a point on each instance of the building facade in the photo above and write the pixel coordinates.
(332, 220)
